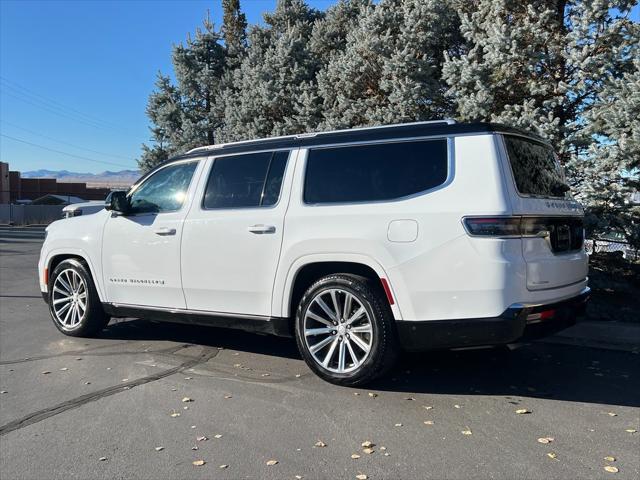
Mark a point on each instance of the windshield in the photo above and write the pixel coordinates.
(535, 167)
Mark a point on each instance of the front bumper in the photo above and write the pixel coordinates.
(517, 323)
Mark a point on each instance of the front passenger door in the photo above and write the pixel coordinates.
(141, 250)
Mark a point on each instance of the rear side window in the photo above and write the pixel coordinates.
(245, 181)
(366, 173)
(535, 168)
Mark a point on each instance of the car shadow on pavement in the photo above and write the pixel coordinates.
(539, 369)
(139, 329)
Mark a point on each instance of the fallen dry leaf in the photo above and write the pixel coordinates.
(427, 407)
(266, 375)
(611, 469)
(361, 476)
(125, 379)
(610, 459)
(383, 448)
(545, 440)
(356, 394)
(611, 414)
(201, 438)
(298, 477)
(217, 435)
(631, 430)
(228, 396)
(46, 372)
(552, 455)
(102, 459)
(187, 399)
(522, 411)
(320, 444)
(373, 395)
(224, 466)
(198, 463)
(272, 462)
(467, 431)
(298, 375)
(368, 444)
(398, 425)
(195, 447)
(3, 391)
(64, 369)
(428, 422)
(368, 451)
(410, 399)
(159, 449)
(174, 414)
(355, 456)
(188, 378)
(457, 406)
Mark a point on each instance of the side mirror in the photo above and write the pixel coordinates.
(117, 202)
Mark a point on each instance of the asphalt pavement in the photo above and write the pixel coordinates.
(145, 400)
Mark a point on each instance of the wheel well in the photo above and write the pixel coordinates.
(308, 274)
(55, 261)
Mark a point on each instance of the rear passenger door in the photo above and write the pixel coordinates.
(233, 233)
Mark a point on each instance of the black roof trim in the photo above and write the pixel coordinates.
(392, 132)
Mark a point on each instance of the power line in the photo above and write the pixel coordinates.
(53, 103)
(63, 142)
(63, 153)
(55, 112)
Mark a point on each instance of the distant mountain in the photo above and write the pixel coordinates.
(123, 177)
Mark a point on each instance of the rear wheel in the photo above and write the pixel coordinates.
(73, 301)
(345, 331)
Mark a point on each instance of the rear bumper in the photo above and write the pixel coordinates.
(518, 322)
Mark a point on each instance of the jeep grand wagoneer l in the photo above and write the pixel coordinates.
(356, 242)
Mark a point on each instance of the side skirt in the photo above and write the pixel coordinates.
(278, 326)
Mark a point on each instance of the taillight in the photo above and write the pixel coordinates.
(493, 226)
(507, 226)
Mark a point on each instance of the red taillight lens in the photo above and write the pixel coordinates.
(493, 226)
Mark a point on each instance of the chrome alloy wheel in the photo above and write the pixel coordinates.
(338, 330)
(69, 298)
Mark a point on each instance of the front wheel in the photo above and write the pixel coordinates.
(345, 331)
(74, 304)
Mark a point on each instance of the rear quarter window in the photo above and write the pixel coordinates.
(377, 172)
(535, 168)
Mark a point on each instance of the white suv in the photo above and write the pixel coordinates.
(356, 242)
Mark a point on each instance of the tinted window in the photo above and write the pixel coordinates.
(241, 181)
(163, 191)
(374, 172)
(535, 168)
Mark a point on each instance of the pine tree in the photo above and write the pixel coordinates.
(234, 30)
(389, 70)
(187, 114)
(558, 68)
(266, 98)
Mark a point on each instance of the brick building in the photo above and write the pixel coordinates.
(15, 188)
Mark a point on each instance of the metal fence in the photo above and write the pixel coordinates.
(29, 214)
(599, 245)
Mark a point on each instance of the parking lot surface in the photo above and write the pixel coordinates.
(146, 400)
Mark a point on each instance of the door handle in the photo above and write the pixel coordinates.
(165, 231)
(262, 229)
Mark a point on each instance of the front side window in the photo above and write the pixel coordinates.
(164, 191)
(378, 172)
(246, 181)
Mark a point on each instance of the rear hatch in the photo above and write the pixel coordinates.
(552, 222)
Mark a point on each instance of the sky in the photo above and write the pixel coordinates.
(75, 76)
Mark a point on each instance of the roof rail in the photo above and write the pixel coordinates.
(446, 121)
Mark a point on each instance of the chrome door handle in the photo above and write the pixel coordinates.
(165, 231)
(262, 229)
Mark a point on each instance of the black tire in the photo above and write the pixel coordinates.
(383, 339)
(93, 319)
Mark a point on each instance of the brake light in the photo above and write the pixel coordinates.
(493, 226)
(506, 226)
